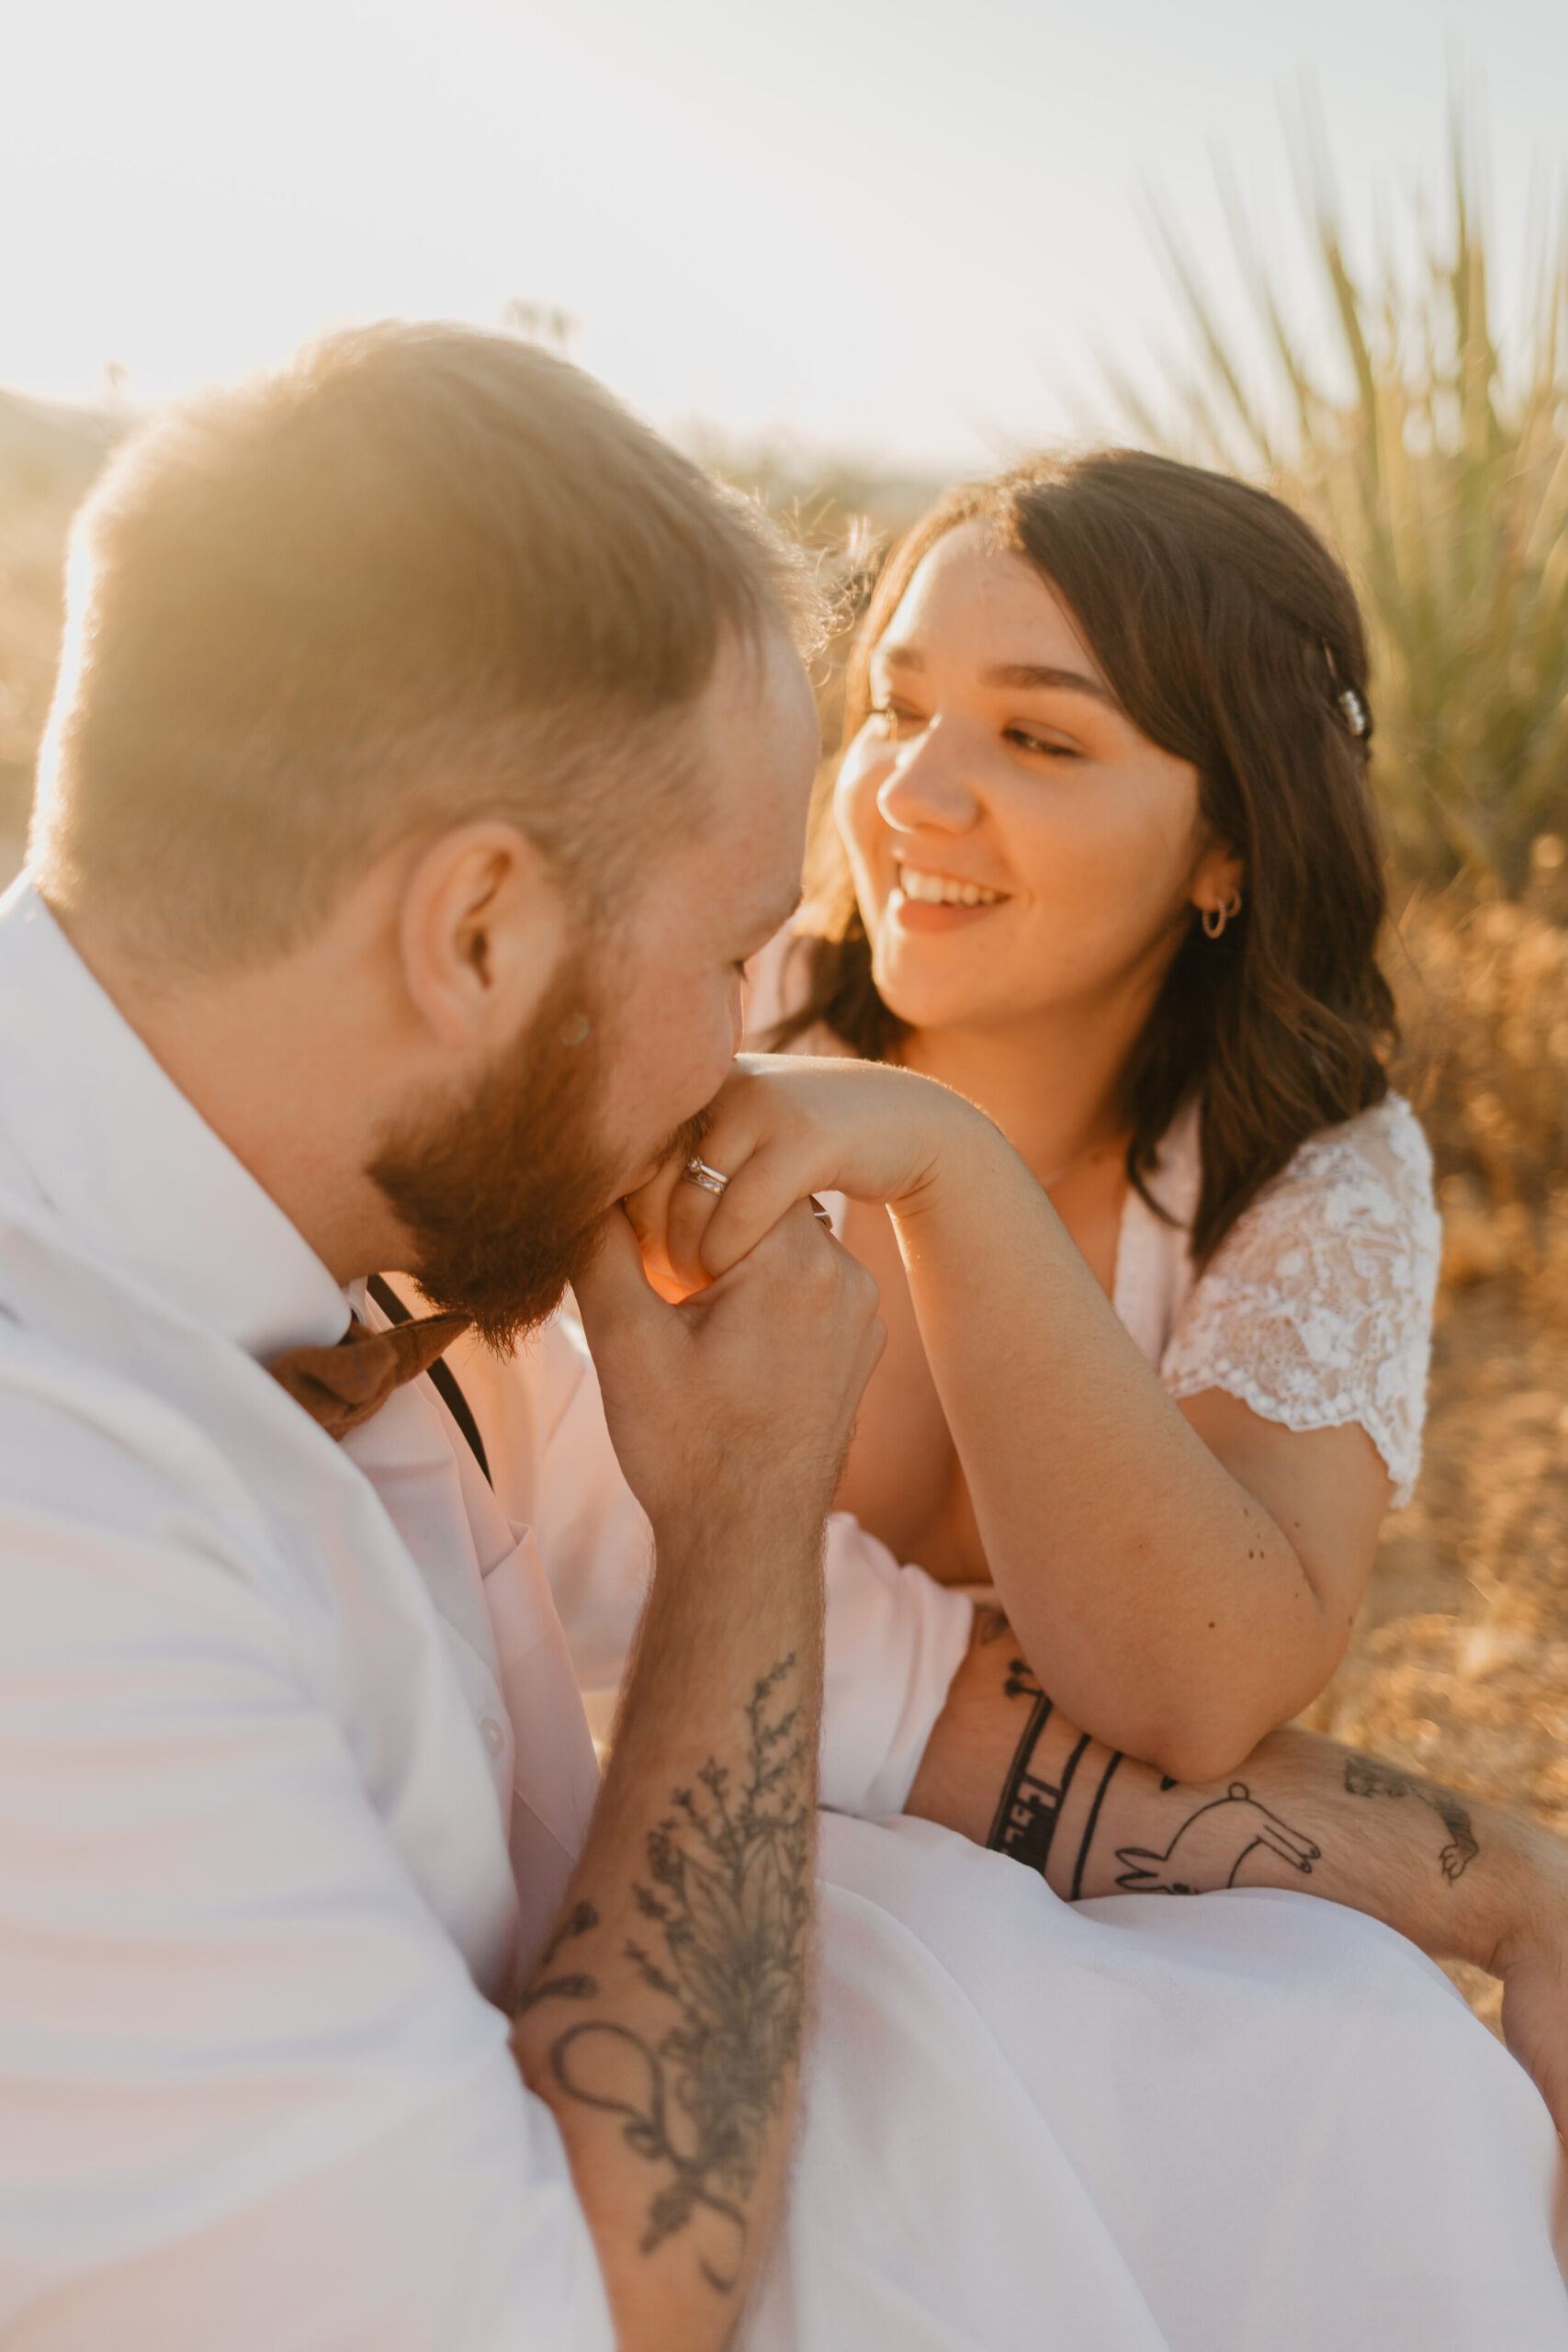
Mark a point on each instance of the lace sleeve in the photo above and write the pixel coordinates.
(1316, 1310)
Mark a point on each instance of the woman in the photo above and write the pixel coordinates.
(1101, 859)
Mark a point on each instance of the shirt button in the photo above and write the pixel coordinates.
(492, 1733)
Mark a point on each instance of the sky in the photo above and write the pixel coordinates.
(897, 229)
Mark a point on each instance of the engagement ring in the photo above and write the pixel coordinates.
(707, 1179)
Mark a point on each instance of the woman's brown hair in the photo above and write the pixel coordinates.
(1231, 638)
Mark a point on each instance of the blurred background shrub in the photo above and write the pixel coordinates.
(1433, 453)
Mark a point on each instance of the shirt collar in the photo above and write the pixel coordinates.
(107, 1140)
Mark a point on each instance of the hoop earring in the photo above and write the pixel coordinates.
(1214, 919)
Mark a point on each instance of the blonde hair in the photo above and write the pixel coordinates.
(422, 574)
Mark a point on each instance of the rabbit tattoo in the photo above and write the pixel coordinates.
(1236, 1815)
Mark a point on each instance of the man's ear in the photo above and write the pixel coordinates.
(483, 926)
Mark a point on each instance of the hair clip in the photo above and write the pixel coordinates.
(1355, 711)
(1352, 710)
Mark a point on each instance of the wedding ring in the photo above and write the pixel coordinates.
(823, 1217)
(707, 1179)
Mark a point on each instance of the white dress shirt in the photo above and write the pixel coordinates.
(262, 1743)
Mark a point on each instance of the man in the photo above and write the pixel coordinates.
(429, 753)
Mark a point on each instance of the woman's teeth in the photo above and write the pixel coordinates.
(936, 890)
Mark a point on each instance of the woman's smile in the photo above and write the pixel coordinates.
(923, 900)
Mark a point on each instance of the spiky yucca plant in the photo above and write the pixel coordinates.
(1438, 467)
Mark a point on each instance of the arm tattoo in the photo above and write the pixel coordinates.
(1036, 1797)
(1090, 1826)
(730, 1903)
(575, 1985)
(1030, 1803)
(1245, 1825)
(1369, 1776)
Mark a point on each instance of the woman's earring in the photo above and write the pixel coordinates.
(1214, 919)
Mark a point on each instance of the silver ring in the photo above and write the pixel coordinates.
(707, 1179)
(823, 1217)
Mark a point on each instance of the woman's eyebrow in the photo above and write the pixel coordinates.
(1009, 673)
(1043, 674)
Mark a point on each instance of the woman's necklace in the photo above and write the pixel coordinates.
(1070, 1166)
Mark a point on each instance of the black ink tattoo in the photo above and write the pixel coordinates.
(731, 1900)
(1030, 1804)
(1075, 1895)
(1369, 1776)
(1035, 1800)
(572, 1987)
(1245, 1820)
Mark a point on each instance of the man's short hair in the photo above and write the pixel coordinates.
(424, 574)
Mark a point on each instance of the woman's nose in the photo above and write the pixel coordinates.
(926, 787)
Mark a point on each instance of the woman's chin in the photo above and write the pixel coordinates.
(928, 1000)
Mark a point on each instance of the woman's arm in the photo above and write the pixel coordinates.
(1150, 1583)
(1158, 1593)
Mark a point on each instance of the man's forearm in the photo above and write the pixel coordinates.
(663, 2022)
(1005, 1768)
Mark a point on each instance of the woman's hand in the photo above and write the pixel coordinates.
(783, 1127)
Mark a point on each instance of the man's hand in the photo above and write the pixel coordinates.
(1459, 1879)
(663, 2023)
(746, 1392)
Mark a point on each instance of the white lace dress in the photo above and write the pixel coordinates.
(1316, 1310)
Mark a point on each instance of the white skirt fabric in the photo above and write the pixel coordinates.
(1248, 2122)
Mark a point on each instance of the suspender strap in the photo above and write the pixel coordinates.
(441, 1372)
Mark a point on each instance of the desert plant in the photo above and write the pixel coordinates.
(1435, 456)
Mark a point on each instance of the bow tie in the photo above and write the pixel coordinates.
(342, 1386)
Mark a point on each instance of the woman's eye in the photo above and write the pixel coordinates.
(1028, 741)
(896, 718)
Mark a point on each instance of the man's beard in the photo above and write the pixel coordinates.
(504, 1197)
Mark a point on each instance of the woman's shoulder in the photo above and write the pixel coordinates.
(1376, 1165)
(1316, 1307)
(1350, 1193)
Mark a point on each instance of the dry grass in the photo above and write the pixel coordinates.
(1459, 1664)
(1428, 440)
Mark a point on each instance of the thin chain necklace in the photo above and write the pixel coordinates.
(1070, 1166)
